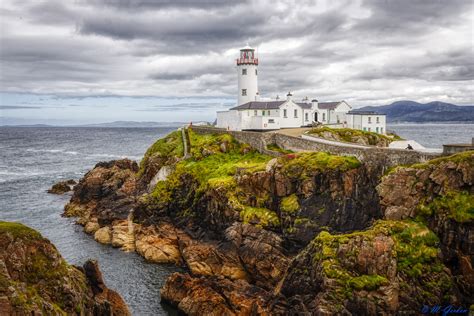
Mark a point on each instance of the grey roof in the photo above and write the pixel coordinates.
(364, 113)
(304, 105)
(328, 105)
(259, 105)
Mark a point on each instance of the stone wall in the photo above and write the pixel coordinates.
(258, 140)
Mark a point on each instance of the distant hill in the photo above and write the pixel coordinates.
(436, 111)
(134, 124)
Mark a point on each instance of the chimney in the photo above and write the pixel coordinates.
(277, 98)
(289, 96)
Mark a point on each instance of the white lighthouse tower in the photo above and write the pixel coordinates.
(247, 72)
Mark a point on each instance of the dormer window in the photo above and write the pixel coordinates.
(244, 71)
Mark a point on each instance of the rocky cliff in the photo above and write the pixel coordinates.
(35, 279)
(307, 232)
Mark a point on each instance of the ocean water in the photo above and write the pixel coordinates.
(433, 135)
(33, 159)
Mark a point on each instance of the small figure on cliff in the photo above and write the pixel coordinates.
(409, 147)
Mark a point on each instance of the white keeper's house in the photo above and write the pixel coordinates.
(253, 113)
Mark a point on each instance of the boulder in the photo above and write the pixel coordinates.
(62, 187)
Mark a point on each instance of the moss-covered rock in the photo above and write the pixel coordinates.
(35, 279)
(362, 272)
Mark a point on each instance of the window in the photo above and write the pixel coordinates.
(271, 121)
(377, 129)
(255, 112)
(370, 129)
(378, 119)
(244, 92)
(296, 113)
(365, 129)
(306, 117)
(268, 112)
(244, 71)
(381, 130)
(284, 112)
(255, 72)
(369, 119)
(324, 116)
(263, 113)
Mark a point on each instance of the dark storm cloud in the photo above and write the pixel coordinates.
(357, 50)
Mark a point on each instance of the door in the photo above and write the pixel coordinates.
(315, 116)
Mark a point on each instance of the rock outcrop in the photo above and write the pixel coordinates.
(35, 279)
(440, 193)
(62, 187)
(295, 234)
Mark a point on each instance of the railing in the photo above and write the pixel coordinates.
(241, 61)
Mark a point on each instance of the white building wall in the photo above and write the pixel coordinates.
(247, 82)
(230, 120)
(368, 122)
(290, 120)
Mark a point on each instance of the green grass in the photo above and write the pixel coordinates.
(457, 205)
(466, 156)
(275, 147)
(289, 204)
(18, 230)
(264, 217)
(305, 164)
(170, 145)
(351, 135)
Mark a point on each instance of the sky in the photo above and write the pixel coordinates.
(90, 61)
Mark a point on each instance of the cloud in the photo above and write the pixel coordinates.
(364, 51)
(18, 107)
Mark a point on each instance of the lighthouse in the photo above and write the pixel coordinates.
(247, 73)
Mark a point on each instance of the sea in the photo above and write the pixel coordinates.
(32, 159)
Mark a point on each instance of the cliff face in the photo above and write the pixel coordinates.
(264, 235)
(35, 280)
(441, 194)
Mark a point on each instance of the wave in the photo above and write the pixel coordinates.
(53, 151)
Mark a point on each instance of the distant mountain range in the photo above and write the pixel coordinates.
(411, 111)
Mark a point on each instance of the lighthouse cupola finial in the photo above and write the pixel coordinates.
(247, 64)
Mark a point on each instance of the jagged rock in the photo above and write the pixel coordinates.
(209, 259)
(62, 187)
(261, 252)
(106, 193)
(219, 296)
(159, 243)
(123, 235)
(35, 279)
